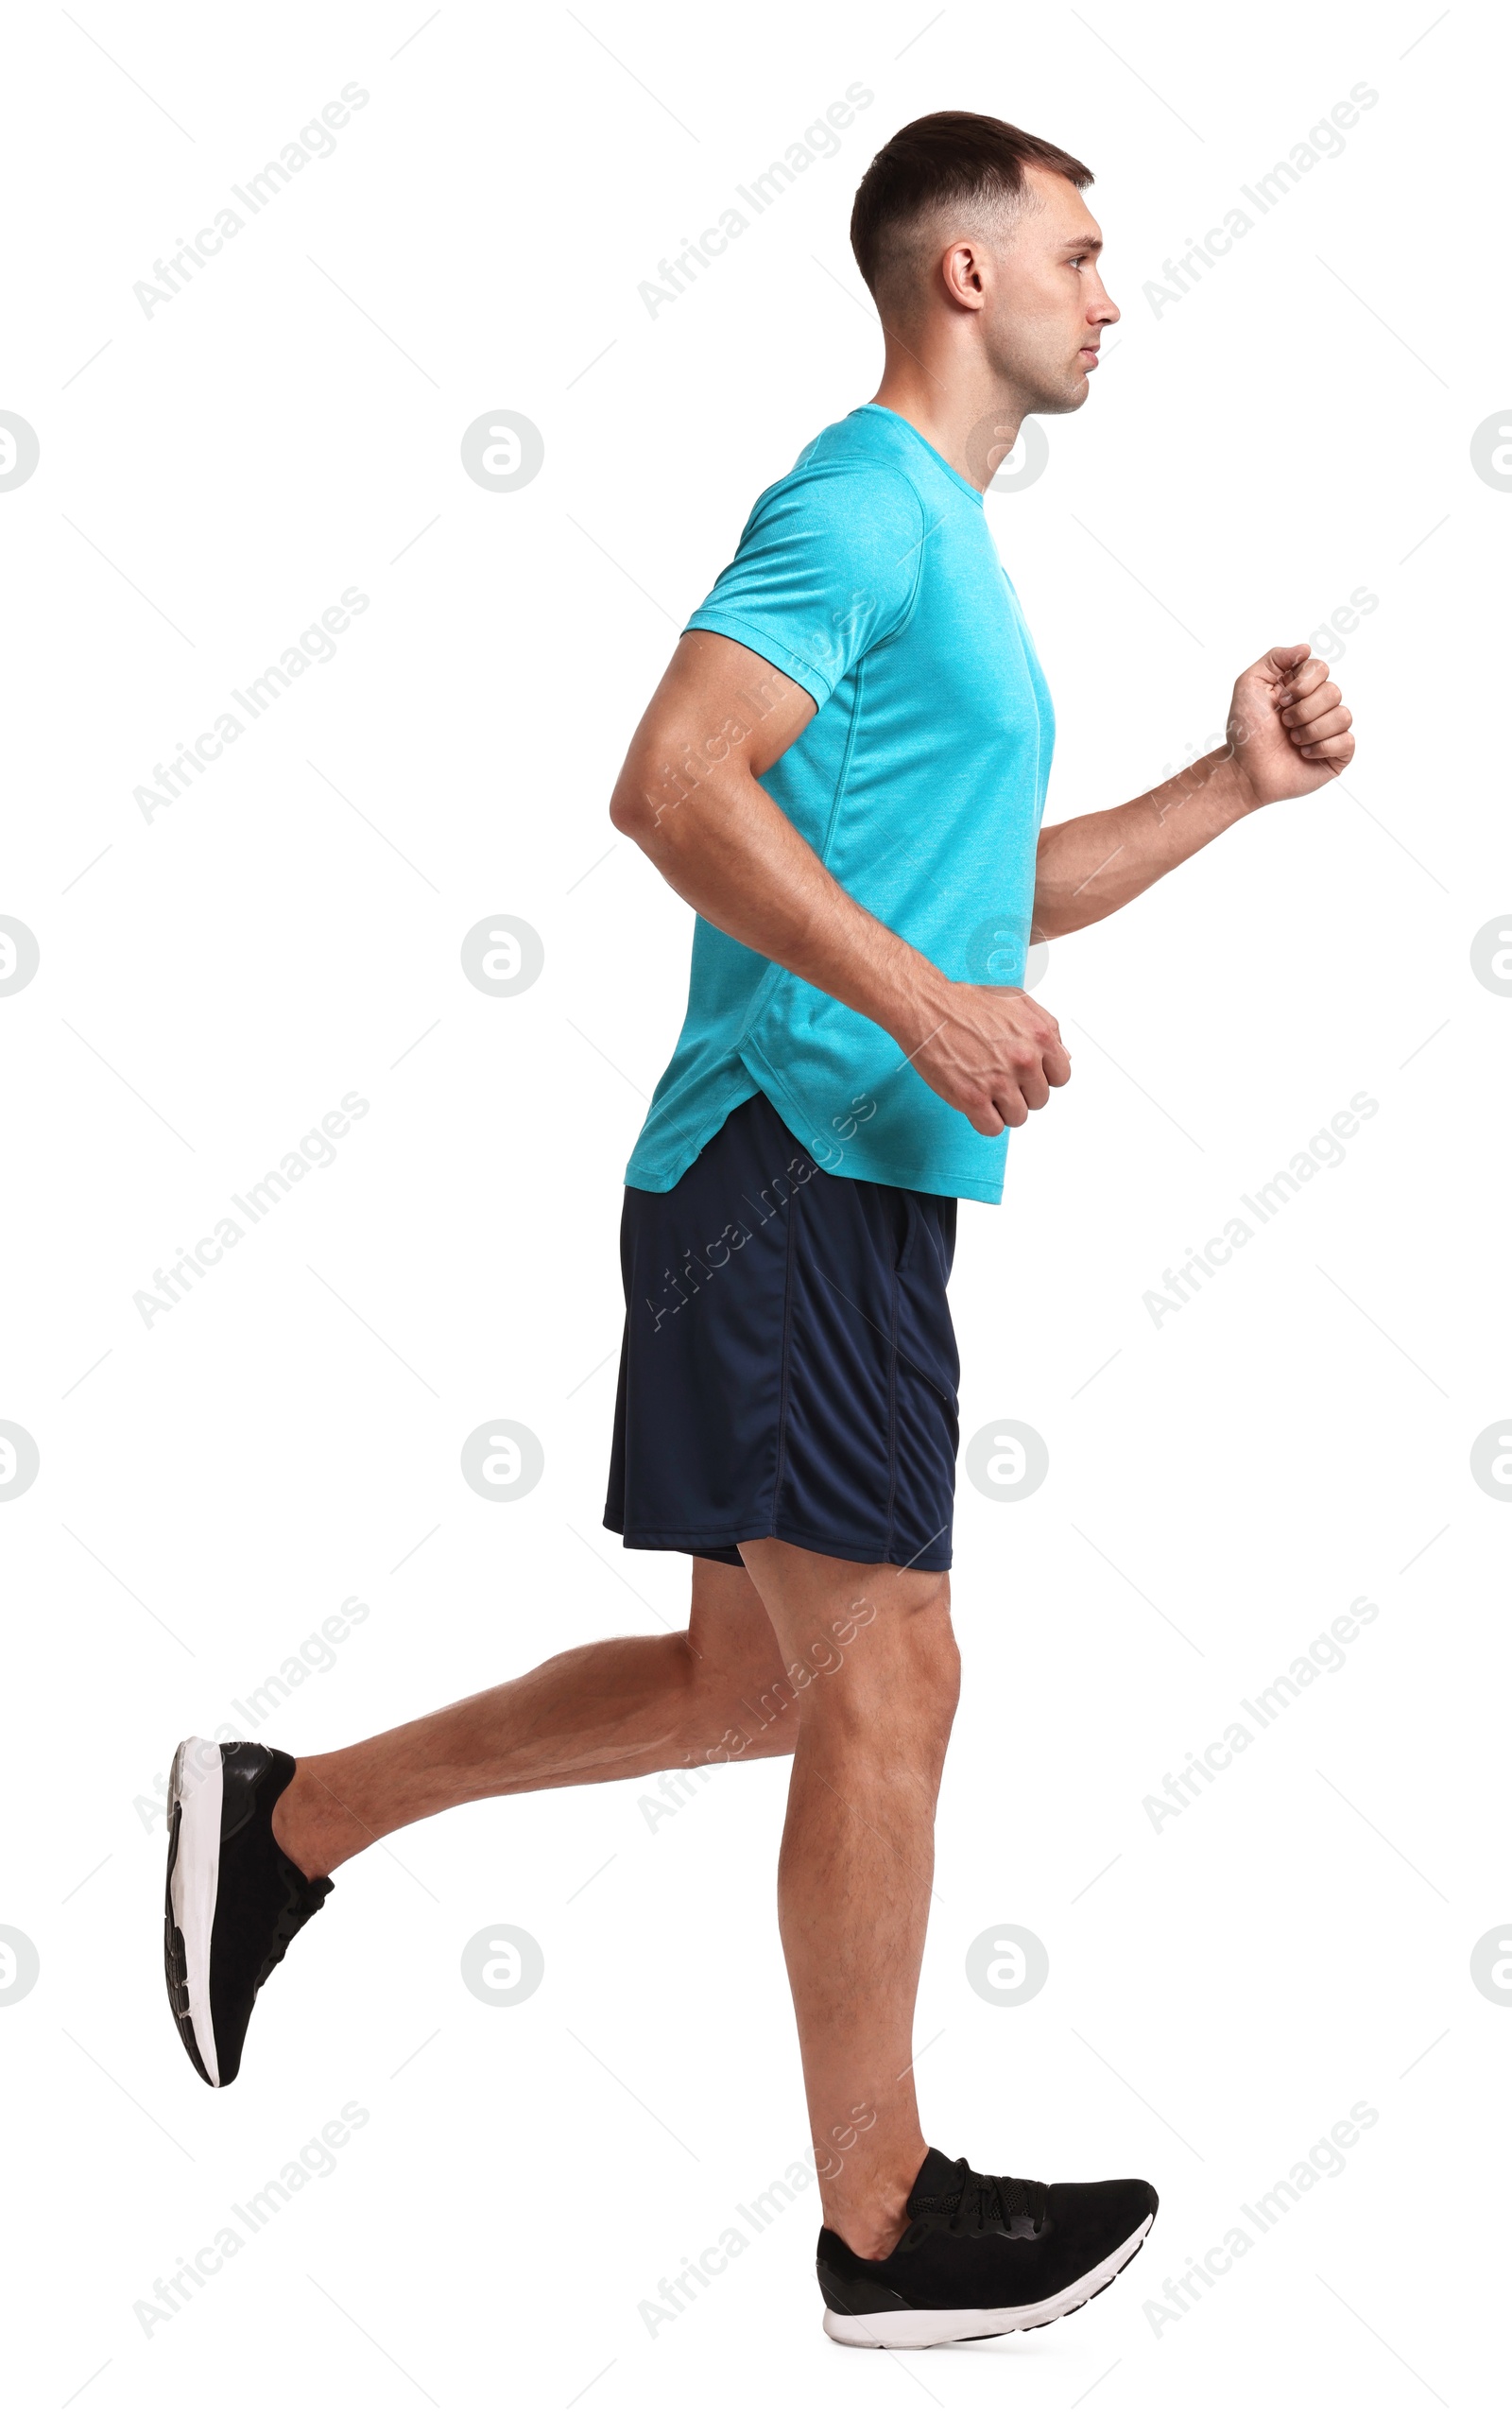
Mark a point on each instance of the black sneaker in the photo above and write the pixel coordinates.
(983, 2254)
(235, 1901)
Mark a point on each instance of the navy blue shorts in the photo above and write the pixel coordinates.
(789, 1367)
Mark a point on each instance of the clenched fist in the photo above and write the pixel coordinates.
(995, 1055)
(1288, 725)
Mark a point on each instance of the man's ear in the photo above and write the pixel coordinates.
(961, 271)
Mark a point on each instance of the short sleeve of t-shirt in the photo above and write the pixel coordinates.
(828, 567)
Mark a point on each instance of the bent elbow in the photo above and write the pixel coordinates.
(629, 813)
(639, 812)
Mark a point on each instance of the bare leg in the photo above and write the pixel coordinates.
(873, 1664)
(854, 1665)
(608, 1711)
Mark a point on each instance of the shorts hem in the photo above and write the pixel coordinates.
(933, 1558)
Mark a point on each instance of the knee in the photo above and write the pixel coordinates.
(901, 1666)
(940, 1663)
(934, 1679)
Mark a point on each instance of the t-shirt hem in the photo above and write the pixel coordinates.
(863, 1166)
(752, 634)
(646, 1171)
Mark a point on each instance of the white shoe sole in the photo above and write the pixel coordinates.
(194, 1788)
(921, 2329)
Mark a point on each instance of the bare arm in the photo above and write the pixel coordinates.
(689, 796)
(1288, 734)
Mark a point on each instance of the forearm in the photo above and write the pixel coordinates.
(1092, 866)
(690, 796)
(738, 861)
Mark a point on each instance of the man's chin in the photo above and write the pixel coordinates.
(1067, 398)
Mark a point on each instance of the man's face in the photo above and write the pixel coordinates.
(1047, 304)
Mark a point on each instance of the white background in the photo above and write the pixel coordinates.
(1221, 1487)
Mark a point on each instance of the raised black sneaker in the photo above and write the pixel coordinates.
(235, 1901)
(982, 2254)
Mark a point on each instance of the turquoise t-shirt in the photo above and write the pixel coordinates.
(869, 576)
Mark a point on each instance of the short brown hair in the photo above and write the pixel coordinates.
(953, 156)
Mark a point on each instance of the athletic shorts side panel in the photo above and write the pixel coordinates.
(789, 1367)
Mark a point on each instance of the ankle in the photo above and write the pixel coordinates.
(869, 2237)
(872, 2219)
(298, 1830)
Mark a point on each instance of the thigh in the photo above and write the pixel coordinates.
(828, 1614)
(738, 1667)
(729, 1627)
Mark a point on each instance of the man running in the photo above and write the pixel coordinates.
(843, 771)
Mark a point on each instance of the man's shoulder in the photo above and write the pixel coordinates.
(853, 470)
(865, 439)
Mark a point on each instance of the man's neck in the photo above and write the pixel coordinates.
(958, 407)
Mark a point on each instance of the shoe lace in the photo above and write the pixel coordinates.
(983, 2203)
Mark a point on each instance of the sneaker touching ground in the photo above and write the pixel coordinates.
(982, 2254)
(235, 1901)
